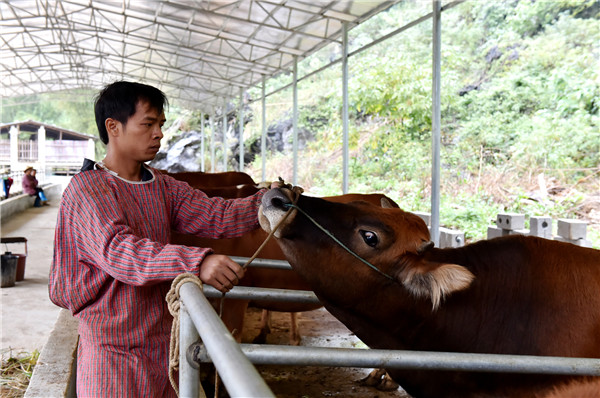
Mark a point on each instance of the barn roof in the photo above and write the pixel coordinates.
(52, 131)
(197, 52)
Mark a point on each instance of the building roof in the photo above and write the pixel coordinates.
(52, 132)
(198, 52)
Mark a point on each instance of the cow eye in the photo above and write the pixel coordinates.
(369, 237)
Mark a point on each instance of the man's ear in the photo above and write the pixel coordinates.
(113, 127)
(433, 280)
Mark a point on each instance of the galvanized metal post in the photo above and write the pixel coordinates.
(202, 142)
(212, 143)
(263, 142)
(436, 117)
(225, 146)
(346, 151)
(241, 112)
(295, 122)
(189, 378)
(239, 376)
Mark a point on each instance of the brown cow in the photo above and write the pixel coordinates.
(511, 295)
(204, 180)
(246, 246)
(232, 192)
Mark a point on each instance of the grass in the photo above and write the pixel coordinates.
(16, 372)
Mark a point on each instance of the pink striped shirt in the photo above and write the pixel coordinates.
(113, 263)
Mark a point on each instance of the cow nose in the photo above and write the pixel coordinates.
(275, 198)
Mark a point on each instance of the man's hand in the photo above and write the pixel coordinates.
(220, 272)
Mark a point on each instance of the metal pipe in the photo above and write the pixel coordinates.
(435, 123)
(241, 139)
(263, 262)
(263, 141)
(189, 377)
(225, 126)
(212, 143)
(264, 354)
(239, 376)
(263, 293)
(295, 123)
(202, 142)
(345, 133)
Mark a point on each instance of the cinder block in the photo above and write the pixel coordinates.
(424, 216)
(510, 221)
(495, 232)
(579, 242)
(571, 229)
(519, 232)
(540, 227)
(451, 238)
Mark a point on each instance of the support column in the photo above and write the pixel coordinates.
(345, 143)
(225, 147)
(202, 142)
(295, 123)
(90, 152)
(435, 128)
(14, 148)
(241, 139)
(41, 144)
(212, 143)
(263, 141)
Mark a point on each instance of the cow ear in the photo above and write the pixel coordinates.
(433, 280)
(385, 203)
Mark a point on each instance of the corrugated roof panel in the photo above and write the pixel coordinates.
(197, 51)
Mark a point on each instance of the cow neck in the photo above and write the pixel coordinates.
(336, 240)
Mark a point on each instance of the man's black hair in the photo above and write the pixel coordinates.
(119, 99)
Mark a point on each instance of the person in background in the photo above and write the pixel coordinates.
(30, 187)
(113, 263)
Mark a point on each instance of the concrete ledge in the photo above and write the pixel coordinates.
(11, 206)
(55, 372)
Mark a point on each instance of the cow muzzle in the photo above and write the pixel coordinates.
(275, 206)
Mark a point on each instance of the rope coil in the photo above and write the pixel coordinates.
(174, 305)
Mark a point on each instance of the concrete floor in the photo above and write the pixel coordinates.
(28, 315)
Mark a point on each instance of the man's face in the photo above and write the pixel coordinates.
(140, 137)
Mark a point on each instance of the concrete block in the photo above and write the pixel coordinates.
(451, 238)
(495, 232)
(519, 232)
(540, 227)
(424, 216)
(55, 373)
(579, 242)
(571, 229)
(510, 221)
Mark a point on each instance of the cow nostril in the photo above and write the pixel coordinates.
(279, 203)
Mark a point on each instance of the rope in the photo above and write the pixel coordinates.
(174, 305)
(297, 192)
(336, 240)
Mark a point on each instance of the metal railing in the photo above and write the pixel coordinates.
(234, 362)
(198, 317)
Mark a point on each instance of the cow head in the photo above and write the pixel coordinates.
(392, 240)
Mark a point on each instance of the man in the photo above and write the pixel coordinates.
(30, 187)
(113, 263)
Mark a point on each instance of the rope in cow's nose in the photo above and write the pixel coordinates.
(297, 192)
(336, 240)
